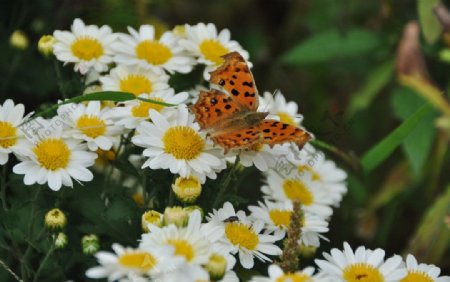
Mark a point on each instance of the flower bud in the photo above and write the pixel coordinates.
(45, 45)
(307, 251)
(176, 215)
(151, 217)
(216, 266)
(179, 30)
(190, 209)
(55, 219)
(188, 189)
(18, 40)
(61, 240)
(90, 244)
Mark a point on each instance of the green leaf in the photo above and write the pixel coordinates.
(432, 237)
(115, 96)
(417, 145)
(331, 44)
(377, 79)
(383, 149)
(430, 25)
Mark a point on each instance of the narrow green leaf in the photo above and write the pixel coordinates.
(382, 150)
(156, 102)
(377, 79)
(432, 238)
(331, 44)
(115, 96)
(430, 25)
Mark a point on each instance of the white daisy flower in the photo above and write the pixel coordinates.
(186, 272)
(88, 46)
(203, 42)
(91, 124)
(322, 171)
(131, 264)
(177, 144)
(366, 264)
(276, 105)
(192, 242)
(277, 217)
(294, 186)
(263, 157)
(244, 236)
(55, 160)
(135, 111)
(276, 274)
(422, 272)
(12, 130)
(144, 50)
(134, 80)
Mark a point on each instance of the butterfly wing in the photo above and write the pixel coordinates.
(276, 132)
(237, 139)
(236, 78)
(213, 107)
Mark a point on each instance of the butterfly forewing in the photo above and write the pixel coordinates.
(236, 78)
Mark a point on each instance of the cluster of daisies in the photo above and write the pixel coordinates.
(182, 244)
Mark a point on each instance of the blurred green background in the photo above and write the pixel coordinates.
(334, 58)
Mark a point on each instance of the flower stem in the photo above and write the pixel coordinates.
(349, 158)
(2, 263)
(59, 78)
(224, 185)
(3, 188)
(289, 259)
(44, 261)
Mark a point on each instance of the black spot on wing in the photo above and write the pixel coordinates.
(249, 84)
(234, 92)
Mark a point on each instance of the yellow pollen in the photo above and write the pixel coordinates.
(417, 276)
(153, 52)
(306, 168)
(91, 126)
(182, 248)
(241, 234)
(52, 153)
(281, 218)
(183, 142)
(362, 272)
(294, 277)
(142, 261)
(296, 190)
(213, 50)
(87, 48)
(136, 84)
(287, 118)
(141, 110)
(8, 136)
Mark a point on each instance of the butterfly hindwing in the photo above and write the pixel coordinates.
(276, 132)
(235, 77)
(238, 139)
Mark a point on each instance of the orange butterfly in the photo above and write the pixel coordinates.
(231, 119)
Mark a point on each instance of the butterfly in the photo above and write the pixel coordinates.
(231, 119)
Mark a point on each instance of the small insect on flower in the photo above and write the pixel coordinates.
(232, 120)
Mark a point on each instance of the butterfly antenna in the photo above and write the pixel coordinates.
(266, 108)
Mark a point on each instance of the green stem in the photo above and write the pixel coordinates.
(44, 261)
(3, 188)
(59, 78)
(350, 159)
(2, 263)
(12, 69)
(224, 184)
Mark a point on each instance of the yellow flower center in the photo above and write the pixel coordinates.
(91, 126)
(362, 272)
(87, 48)
(8, 136)
(153, 52)
(306, 168)
(136, 84)
(241, 234)
(417, 276)
(183, 142)
(142, 261)
(213, 50)
(182, 248)
(296, 190)
(52, 153)
(294, 277)
(281, 218)
(141, 110)
(287, 118)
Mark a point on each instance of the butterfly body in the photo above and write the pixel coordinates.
(232, 119)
